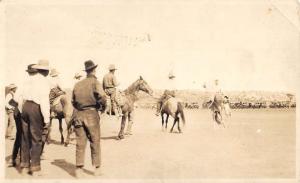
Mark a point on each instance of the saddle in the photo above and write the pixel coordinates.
(56, 106)
(120, 98)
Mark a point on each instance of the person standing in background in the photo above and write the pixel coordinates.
(9, 109)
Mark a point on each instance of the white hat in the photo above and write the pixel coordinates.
(42, 65)
(171, 75)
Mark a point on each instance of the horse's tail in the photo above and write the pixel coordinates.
(181, 112)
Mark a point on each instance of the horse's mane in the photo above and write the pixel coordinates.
(132, 88)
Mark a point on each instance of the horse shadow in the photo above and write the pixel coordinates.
(68, 167)
(7, 158)
(18, 168)
(109, 138)
(55, 142)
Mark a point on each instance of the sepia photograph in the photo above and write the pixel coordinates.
(157, 91)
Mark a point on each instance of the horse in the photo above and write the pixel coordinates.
(172, 107)
(127, 108)
(64, 110)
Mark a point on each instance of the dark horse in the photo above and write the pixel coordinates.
(127, 106)
(172, 107)
(63, 111)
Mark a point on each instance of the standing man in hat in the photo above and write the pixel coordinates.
(88, 97)
(109, 84)
(18, 120)
(35, 115)
(168, 93)
(9, 108)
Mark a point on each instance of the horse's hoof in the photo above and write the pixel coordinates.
(120, 137)
(66, 144)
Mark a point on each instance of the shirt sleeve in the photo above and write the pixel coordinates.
(115, 82)
(7, 99)
(74, 99)
(99, 92)
(44, 103)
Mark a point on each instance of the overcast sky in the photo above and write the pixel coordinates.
(250, 45)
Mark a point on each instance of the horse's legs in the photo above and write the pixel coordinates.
(167, 119)
(130, 122)
(68, 130)
(175, 120)
(178, 123)
(123, 121)
(61, 131)
(162, 121)
(48, 140)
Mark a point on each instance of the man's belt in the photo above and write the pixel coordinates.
(91, 108)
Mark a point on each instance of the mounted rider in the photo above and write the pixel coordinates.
(55, 92)
(109, 85)
(216, 97)
(168, 93)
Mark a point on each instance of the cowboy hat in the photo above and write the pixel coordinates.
(171, 75)
(12, 86)
(112, 67)
(30, 69)
(89, 65)
(54, 73)
(42, 65)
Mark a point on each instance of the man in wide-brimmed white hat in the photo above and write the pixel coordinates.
(110, 87)
(35, 117)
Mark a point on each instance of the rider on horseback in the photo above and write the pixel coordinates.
(55, 92)
(109, 85)
(168, 93)
(216, 98)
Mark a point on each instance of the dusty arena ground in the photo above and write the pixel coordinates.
(256, 144)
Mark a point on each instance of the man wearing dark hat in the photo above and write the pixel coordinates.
(88, 97)
(18, 120)
(35, 115)
(109, 84)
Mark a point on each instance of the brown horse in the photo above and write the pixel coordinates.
(63, 111)
(172, 107)
(128, 107)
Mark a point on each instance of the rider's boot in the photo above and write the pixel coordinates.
(120, 114)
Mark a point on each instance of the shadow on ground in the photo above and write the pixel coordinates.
(109, 138)
(68, 167)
